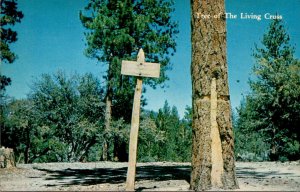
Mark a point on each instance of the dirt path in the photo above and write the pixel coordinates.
(100, 176)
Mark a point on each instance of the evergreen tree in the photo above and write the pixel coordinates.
(150, 138)
(164, 136)
(116, 29)
(9, 16)
(249, 145)
(272, 109)
(184, 145)
(168, 122)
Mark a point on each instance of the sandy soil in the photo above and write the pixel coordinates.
(160, 176)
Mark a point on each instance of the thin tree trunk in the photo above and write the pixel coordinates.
(108, 114)
(274, 152)
(26, 152)
(105, 146)
(213, 163)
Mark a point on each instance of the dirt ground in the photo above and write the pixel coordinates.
(160, 176)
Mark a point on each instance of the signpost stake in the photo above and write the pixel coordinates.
(135, 120)
(141, 69)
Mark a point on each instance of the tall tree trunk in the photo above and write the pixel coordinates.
(105, 145)
(213, 163)
(108, 113)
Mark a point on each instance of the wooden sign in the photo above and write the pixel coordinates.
(141, 69)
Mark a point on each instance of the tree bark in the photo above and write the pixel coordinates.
(213, 163)
(105, 145)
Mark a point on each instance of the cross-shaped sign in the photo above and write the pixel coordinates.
(141, 69)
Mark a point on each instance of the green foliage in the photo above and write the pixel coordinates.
(73, 110)
(18, 127)
(249, 145)
(271, 111)
(164, 136)
(9, 16)
(119, 139)
(150, 138)
(116, 30)
(60, 121)
(4, 81)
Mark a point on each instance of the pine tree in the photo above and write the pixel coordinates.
(272, 109)
(9, 17)
(116, 29)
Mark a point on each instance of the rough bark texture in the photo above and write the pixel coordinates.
(7, 158)
(208, 63)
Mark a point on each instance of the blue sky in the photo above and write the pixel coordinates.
(50, 38)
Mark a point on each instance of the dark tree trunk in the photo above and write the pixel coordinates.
(120, 151)
(213, 163)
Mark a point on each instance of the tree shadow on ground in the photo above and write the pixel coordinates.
(85, 177)
(247, 172)
(68, 177)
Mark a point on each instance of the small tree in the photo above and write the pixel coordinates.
(60, 121)
(116, 30)
(150, 138)
(19, 128)
(71, 114)
(164, 136)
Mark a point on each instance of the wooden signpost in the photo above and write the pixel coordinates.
(141, 69)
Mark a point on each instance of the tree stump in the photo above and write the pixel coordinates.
(7, 158)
